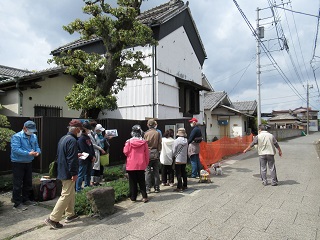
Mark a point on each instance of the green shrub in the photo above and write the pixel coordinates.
(6, 183)
(113, 173)
(121, 188)
(188, 170)
(83, 206)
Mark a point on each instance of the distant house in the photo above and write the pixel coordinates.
(173, 89)
(295, 119)
(226, 119)
(29, 94)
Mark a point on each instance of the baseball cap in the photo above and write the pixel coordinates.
(99, 127)
(193, 120)
(31, 126)
(75, 123)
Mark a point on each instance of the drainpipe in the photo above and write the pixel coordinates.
(153, 81)
(20, 97)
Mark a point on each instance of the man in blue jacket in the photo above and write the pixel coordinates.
(68, 167)
(24, 147)
(194, 148)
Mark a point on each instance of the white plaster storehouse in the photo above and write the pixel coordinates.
(173, 89)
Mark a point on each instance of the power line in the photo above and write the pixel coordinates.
(273, 61)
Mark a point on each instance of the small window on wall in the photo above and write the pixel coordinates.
(47, 111)
(189, 100)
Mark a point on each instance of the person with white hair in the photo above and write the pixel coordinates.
(267, 145)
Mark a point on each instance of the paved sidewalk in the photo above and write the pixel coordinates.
(235, 206)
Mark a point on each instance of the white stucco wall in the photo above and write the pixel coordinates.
(237, 126)
(174, 58)
(52, 92)
(313, 125)
(10, 103)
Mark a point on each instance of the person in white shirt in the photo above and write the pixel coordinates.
(267, 145)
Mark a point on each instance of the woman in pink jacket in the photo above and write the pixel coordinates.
(137, 152)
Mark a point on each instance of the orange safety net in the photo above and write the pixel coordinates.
(212, 152)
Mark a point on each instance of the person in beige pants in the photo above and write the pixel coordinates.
(267, 145)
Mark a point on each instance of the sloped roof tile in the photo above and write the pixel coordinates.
(213, 98)
(10, 72)
(245, 105)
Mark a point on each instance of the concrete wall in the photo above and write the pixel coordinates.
(10, 103)
(285, 133)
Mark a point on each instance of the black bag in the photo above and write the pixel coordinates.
(198, 140)
(154, 154)
(173, 162)
(53, 169)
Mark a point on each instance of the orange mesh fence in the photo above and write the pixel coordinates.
(212, 152)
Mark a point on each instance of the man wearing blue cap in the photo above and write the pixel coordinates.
(24, 147)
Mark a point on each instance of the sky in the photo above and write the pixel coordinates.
(30, 30)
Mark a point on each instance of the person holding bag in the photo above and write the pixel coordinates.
(137, 153)
(180, 153)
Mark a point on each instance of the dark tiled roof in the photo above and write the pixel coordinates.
(283, 117)
(10, 72)
(26, 75)
(211, 99)
(75, 44)
(245, 105)
(162, 13)
(154, 16)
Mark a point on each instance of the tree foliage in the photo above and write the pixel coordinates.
(105, 75)
(5, 132)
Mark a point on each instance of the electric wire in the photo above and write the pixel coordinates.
(275, 64)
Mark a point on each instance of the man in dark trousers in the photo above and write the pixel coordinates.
(24, 148)
(194, 148)
(267, 145)
(153, 137)
(68, 167)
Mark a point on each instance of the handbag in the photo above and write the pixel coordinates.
(53, 169)
(104, 159)
(174, 157)
(53, 166)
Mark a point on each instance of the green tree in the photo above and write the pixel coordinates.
(105, 75)
(5, 132)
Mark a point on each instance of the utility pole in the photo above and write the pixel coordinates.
(308, 86)
(259, 35)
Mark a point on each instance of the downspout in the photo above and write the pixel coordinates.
(153, 81)
(20, 97)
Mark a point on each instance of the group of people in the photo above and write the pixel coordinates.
(144, 153)
(146, 150)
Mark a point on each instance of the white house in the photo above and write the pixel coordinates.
(223, 119)
(30, 94)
